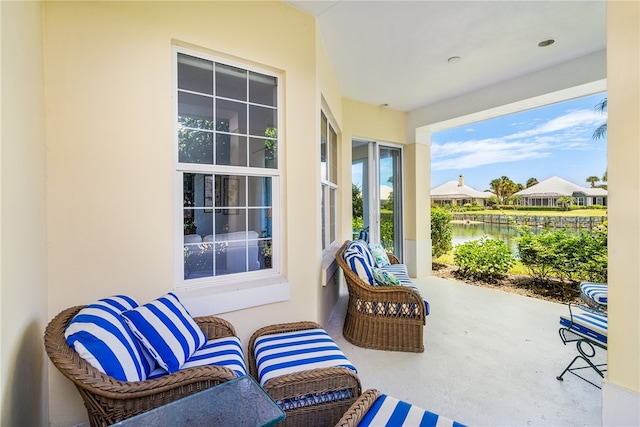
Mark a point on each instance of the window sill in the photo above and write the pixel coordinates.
(329, 264)
(213, 300)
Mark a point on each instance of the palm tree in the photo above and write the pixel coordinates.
(531, 182)
(601, 131)
(503, 187)
(566, 201)
(593, 179)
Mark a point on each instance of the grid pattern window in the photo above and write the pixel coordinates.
(329, 180)
(227, 163)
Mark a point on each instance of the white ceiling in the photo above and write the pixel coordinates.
(395, 52)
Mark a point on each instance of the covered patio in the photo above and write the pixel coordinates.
(491, 359)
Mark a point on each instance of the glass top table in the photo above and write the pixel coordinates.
(240, 402)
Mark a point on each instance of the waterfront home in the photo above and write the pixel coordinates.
(458, 193)
(547, 193)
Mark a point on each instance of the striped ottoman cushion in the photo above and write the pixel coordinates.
(288, 352)
(586, 324)
(597, 292)
(389, 411)
(225, 352)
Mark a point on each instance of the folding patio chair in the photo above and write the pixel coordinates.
(586, 327)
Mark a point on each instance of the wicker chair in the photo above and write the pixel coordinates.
(366, 327)
(108, 400)
(293, 386)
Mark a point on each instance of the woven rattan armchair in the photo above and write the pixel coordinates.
(321, 381)
(369, 324)
(108, 400)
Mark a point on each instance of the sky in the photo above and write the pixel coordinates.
(555, 140)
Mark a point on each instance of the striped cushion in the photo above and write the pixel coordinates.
(586, 324)
(400, 271)
(100, 337)
(360, 260)
(225, 352)
(597, 292)
(389, 411)
(166, 329)
(289, 352)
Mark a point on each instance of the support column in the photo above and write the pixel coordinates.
(417, 204)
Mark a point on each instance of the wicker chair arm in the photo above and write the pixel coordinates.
(392, 258)
(358, 409)
(215, 327)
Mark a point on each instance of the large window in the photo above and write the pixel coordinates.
(329, 180)
(227, 169)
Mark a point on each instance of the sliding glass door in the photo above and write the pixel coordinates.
(377, 193)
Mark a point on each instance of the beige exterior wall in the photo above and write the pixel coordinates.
(23, 225)
(621, 393)
(109, 128)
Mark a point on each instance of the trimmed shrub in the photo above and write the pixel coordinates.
(486, 258)
(441, 231)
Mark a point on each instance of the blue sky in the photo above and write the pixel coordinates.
(540, 143)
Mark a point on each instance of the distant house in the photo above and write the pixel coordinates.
(457, 193)
(547, 193)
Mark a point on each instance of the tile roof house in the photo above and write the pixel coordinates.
(547, 193)
(458, 193)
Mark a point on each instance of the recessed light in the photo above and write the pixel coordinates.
(454, 59)
(384, 105)
(546, 43)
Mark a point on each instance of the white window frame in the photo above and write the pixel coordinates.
(225, 293)
(327, 185)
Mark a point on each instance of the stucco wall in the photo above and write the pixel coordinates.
(108, 70)
(23, 275)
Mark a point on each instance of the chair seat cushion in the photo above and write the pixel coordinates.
(225, 352)
(587, 324)
(597, 292)
(101, 337)
(166, 330)
(400, 272)
(389, 411)
(290, 352)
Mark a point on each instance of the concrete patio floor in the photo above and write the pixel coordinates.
(491, 359)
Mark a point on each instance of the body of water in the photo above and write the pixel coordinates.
(465, 232)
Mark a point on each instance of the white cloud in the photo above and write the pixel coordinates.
(571, 131)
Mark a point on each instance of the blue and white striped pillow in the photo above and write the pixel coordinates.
(167, 330)
(360, 260)
(99, 335)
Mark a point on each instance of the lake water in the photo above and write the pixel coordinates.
(465, 232)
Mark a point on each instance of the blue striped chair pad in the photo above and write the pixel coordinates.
(400, 271)
(101, 337)
(597, 292)
(586, 324)
(225, 352)
(391, 412)
(289, 352)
